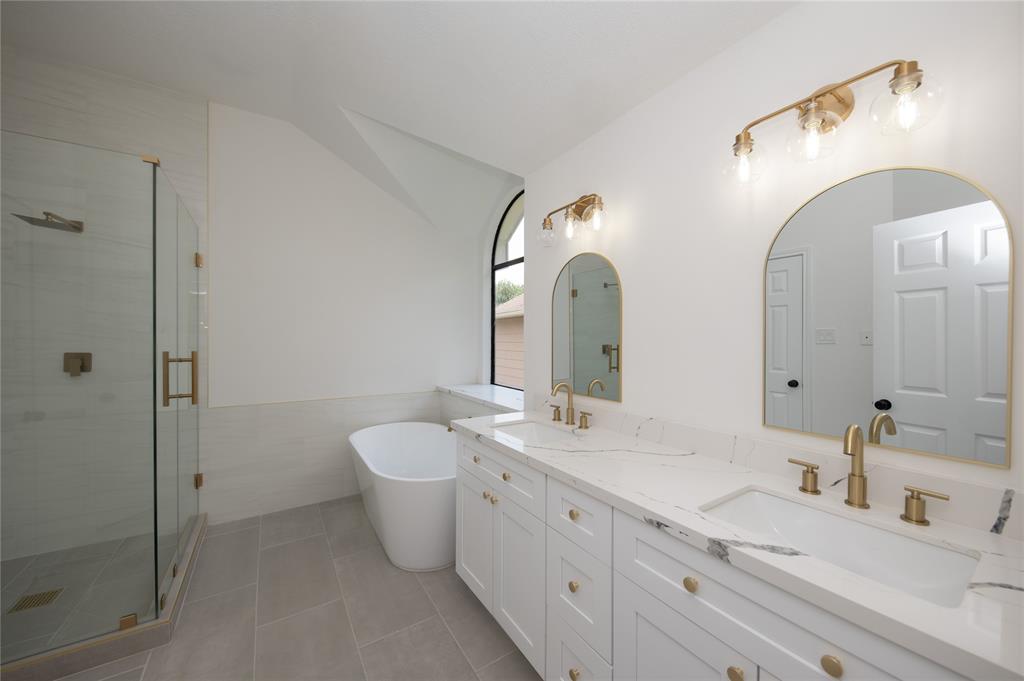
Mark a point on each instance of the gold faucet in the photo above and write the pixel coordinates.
(570, 413)
(875, 429)
(856, 482)
(590, 388)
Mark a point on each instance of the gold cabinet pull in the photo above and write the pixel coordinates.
(506, 476)
(574, 586)
(476, 459)
(690, 584)
(193, 359)
(487, 494)
(832, 666)
(574, 515)
(574, 674)
(734, 673)
(494, 500)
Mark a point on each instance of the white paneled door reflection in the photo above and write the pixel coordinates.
(784, 347)
(941, 330)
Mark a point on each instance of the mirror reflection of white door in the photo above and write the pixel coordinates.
(784, 339)
(941, 330)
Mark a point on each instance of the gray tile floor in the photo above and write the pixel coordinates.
(308, 593)
(101, 582)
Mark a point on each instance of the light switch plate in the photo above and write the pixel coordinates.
(825, 336)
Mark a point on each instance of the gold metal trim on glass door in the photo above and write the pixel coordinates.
(1009, 320)
(193, 394)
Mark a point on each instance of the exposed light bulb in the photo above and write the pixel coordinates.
(747, 161)
(910, 103)
(812, 143)
(814, 136)
(743, 168)
(570, 225)
(546, 236)
(906, 111)
(595, 216)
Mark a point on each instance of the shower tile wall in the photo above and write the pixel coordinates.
(77, 463)
(91, 108)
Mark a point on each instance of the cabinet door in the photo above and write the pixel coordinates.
(655, 643)
(474, 536)
(519, 545)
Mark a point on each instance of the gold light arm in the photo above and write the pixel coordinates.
(571, 204)
(744, 135)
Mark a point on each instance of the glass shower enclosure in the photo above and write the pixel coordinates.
(100, 441)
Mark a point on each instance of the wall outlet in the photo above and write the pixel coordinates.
(867, 338)
(825, 336)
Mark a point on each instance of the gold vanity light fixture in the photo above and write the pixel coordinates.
(588, 211)
(909, 104)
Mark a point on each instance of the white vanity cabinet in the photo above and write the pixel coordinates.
(590, 593)
(500, 545)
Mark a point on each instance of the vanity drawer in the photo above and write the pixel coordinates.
(660, 564)
(581, 518)
(569, 658)
(579, 591)
(513, 480)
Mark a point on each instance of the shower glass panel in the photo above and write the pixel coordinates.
(94, 499)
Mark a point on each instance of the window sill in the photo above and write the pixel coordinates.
(495, 396)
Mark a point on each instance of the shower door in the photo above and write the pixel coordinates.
(93, 271)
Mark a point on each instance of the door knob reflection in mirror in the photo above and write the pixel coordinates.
(793, 383)
(883, 404)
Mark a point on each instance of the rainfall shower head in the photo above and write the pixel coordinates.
(54, 221)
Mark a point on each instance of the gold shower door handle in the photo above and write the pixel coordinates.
(614, 353)
(193, 394)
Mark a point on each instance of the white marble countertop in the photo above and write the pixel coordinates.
(496, 396)
(982, 638)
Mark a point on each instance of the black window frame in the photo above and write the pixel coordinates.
(495, 268)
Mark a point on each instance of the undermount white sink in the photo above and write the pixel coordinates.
(533, 433)
(915, 567)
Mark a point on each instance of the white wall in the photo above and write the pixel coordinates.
(690, 245)
(322, 285)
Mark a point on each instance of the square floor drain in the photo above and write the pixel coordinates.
(36, 600)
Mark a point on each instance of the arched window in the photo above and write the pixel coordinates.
(507, 288)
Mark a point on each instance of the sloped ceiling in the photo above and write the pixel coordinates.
(394, 88)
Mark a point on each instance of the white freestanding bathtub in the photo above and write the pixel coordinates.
(406, 475)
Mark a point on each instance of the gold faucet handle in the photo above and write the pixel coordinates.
(585, 420)
(557, 416)
(918, 492)
(809, 479)
(914, 504)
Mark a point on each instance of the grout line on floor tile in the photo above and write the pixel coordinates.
(207, 534)
(445, 623)
(494, 662)
(399, 631)
(299, 612)
(337, 579)
(225, 591)
(145, 667)
(292, 541)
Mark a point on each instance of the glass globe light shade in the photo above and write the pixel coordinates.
(907, 106)
(746, 164)
(546, 235)
(815, 136)
(570, 225)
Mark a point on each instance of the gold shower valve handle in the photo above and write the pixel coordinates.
(914, 504)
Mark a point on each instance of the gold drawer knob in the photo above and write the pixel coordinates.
(574, 674)
(487, 495)
(691, 584)
(832, 666)
(476, 459)
(574, 586)
(506, 476)
(494, 499)
(574, 515)
(734, 673)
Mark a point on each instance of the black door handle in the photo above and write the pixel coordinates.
(883, 404)
(793, 383)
